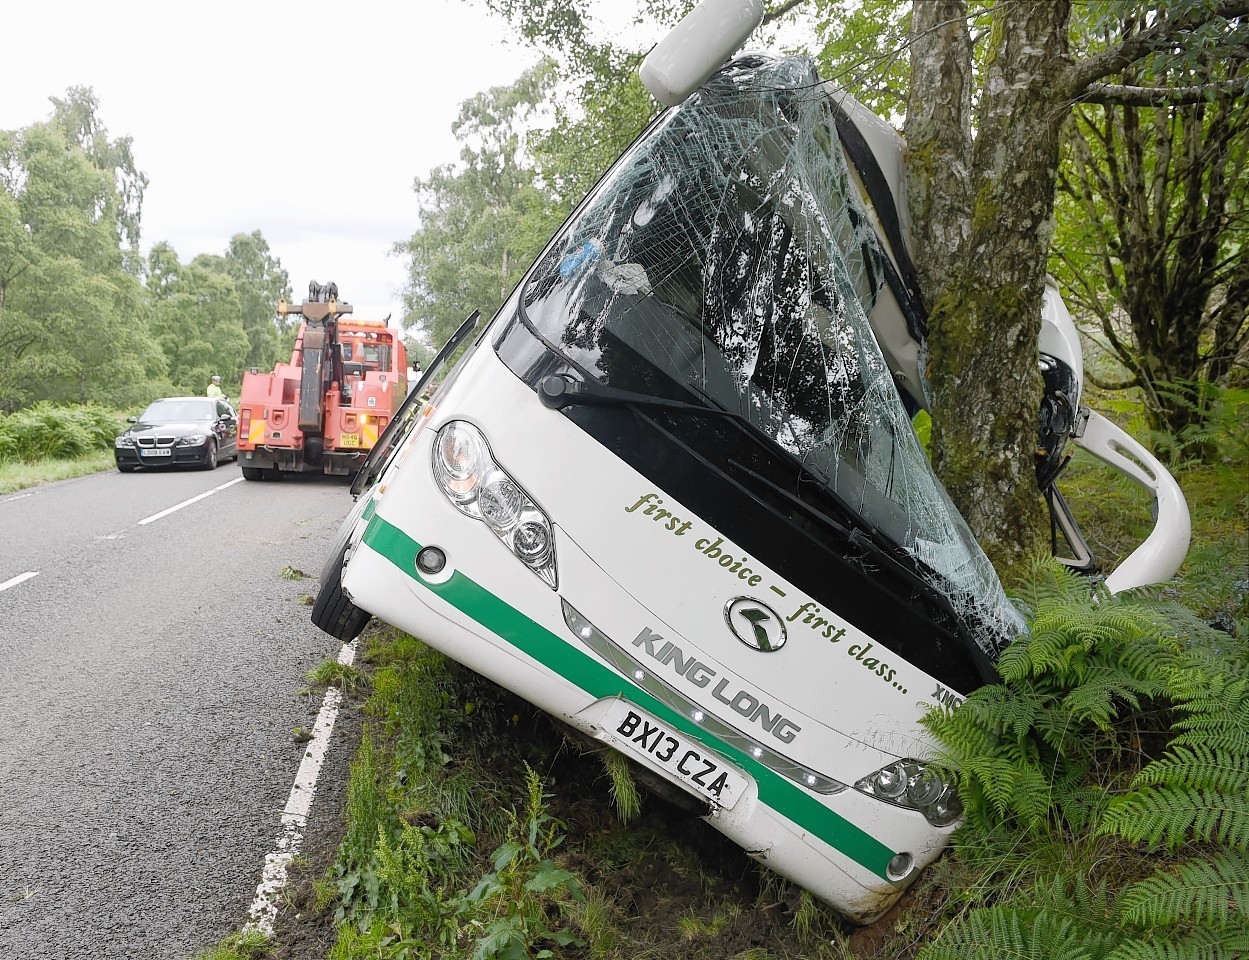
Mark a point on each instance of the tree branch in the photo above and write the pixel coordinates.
(1107, 385)
(1083, 74)
(1129, 96)
(774, 15)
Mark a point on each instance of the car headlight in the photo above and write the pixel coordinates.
(192, 440)
(124, 441)
(915, 785)
(478, 487)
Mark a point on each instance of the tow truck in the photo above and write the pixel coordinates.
(323, 411)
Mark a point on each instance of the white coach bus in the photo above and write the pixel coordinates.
(671, 493)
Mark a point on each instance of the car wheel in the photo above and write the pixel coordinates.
(210, 457)
(333, 612)
(126, 467)
(253, 473)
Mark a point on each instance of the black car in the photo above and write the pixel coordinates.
(197, 430)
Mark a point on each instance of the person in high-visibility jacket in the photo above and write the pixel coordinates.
(214, 387)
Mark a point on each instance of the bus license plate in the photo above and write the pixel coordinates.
(157, 453)
(686, 760)
(349, 439)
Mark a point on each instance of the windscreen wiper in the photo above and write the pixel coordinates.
(558, 392)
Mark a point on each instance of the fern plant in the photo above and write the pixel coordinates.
(1119, 735)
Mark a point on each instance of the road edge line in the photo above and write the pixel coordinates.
(264, 908)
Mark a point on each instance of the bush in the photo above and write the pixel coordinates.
(45, 431)
(8, 442)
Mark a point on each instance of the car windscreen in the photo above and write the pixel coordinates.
(169, 411)
(727, 260)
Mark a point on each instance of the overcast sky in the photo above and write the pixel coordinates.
(305, 120)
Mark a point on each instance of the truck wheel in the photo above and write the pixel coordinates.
(253, 473)
(333, 612)
(273, 473)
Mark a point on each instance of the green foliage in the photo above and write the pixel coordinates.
(261, 282)
(1119, 720)
(1198, 892)
(332, 673)
(511, 904)
(355, 871)
(1022, 934)
(624, 792)
(247, 944)
(77, 324)
(46, 432)
(69, 294)
(484, 220)
(18, 475)
(1149, 219)
(197, 322)
(862, 47)
(1210, 421)
(411, 876)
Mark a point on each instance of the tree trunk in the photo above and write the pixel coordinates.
(989, 273)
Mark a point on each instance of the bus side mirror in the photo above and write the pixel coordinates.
(697, 47)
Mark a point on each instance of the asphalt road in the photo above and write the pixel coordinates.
(153, 673)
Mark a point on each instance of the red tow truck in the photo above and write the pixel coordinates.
(323, 411)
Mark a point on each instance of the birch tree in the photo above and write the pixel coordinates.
(981, 179)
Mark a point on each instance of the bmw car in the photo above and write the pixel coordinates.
(196, 431)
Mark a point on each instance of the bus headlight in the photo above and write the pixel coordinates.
(468, 475)
(460, 459)
(915, 785)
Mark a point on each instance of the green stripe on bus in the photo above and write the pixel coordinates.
(599, 681)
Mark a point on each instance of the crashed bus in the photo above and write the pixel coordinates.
(671, 493)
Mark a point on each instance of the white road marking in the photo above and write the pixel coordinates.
(187, 503)
(18, 497)
(264, 908)
(20, 578)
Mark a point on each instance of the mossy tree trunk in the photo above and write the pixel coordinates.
(981, 191)
(983, 222)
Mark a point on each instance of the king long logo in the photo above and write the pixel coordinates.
(751, 705)
(755, 624)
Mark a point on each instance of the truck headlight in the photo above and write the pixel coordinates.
(915, 785)
(478, 487)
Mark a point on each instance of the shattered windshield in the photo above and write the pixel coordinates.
(726, 261)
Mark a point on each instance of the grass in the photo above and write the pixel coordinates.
(19, 475)
(244, 945)
(331, 673)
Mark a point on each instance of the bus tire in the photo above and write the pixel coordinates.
(333, 612)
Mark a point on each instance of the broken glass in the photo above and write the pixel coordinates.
(727, 255)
